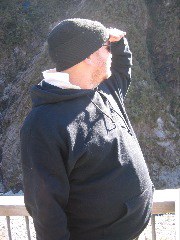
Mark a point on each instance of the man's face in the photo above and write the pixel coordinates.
(102, 61)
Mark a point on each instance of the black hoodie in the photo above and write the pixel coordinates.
(84, 174)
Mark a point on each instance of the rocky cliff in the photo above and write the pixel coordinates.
(152, 102)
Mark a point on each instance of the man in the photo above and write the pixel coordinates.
(85, 177)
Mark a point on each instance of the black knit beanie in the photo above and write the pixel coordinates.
(73, 40)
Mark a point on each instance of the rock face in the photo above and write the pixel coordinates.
(152, 101)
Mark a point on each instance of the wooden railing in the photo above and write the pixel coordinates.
(14, 206)
(165, 201)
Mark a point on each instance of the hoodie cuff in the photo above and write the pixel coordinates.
(121, 48)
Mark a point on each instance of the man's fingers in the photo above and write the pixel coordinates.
(115, 34)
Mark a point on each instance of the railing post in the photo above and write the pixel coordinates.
(153, 227)
(9, 227)
(27, 227)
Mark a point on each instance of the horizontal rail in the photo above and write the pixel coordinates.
(163, 207)
(20, 210)
(12, 206)
(13, 211)
(164, 202)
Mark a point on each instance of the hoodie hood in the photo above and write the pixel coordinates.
(55, 87)
(45, 93)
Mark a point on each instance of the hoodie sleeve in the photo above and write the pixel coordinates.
(121, 64)
(46, 185)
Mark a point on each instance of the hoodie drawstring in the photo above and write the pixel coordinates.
(113, 110)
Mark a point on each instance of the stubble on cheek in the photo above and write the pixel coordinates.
(103, 68)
